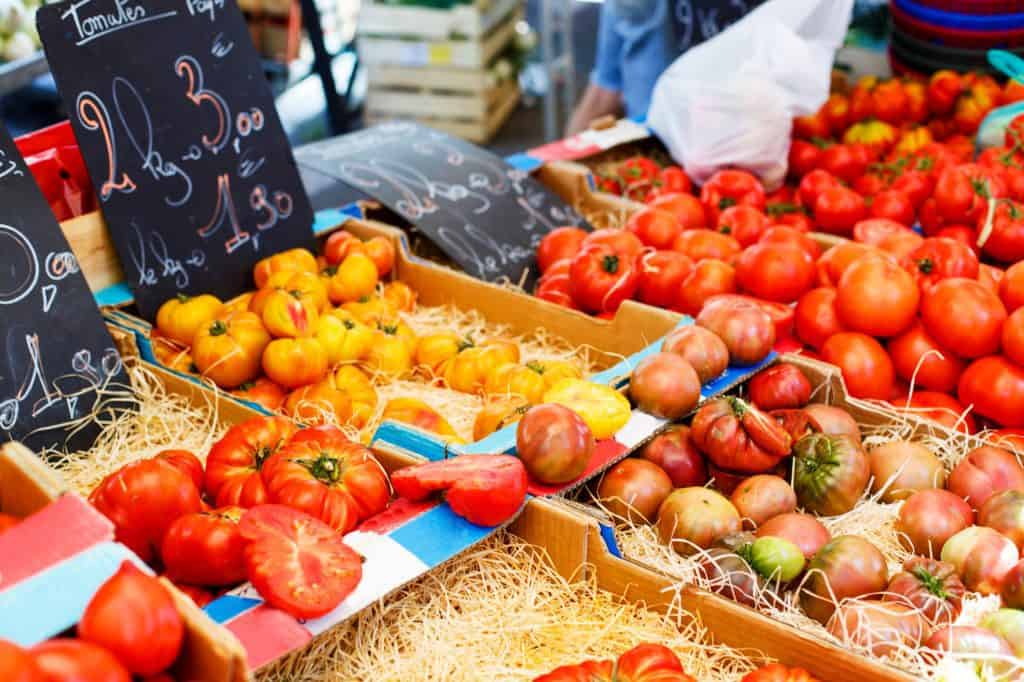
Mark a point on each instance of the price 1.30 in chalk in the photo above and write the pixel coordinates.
(178, 128)
(60, 374)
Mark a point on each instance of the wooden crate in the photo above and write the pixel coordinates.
(471, 21)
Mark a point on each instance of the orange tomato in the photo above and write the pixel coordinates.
(295, 362)
(417, 413)
(382, 252)
(516, 380)
(339, 245)
(228, 351)
(286, 314)
(307, 286)
(170, 353)
(497, 413)
(371, 309)
(354, 383)
(395, 327)
(181, 317)
(388, 355)
(319, 403)
(400, 295)
(467, 372)
(344, 338)
(261, 391)
(293, 260)
(554, 371)
(354, 279)
(434, 350)
(239, 303)
(914, 139)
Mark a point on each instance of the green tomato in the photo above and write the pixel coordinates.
(1008, 624)
(776, 559)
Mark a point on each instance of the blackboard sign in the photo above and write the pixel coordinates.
(486, 215)
(58, 362)
(178, 128)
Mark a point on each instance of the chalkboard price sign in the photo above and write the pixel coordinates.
(57, 356)
(179, 131)
(486, 215)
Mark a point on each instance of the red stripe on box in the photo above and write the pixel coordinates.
(569, 149)
(605, 452)
(396, 515)
(60, 530)
(267, 633)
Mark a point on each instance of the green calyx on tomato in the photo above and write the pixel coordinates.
(981, 187)
(330, 270)
(934, 584)
(610, 263)
(726, 202)
(325, 468)
(535, 366)
(183, 298)
(783, 208)
(926, 265)
(261, 455)
(218, 328)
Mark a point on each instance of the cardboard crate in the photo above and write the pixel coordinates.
(54, 561)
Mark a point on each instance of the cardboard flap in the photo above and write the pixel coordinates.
(26, 483)
(209, 652)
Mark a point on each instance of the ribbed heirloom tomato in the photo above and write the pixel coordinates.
(235, 461)
(185, 462)
(877, 297)
(775, 272)
(74, 659)
(866, 367)
(181, 317)
(323, 474)
(295, 362)
(229, 351)
(963, 316)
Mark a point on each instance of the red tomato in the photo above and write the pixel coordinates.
(875, 230)
(709, 277)
(939, 258)
(838, 209)
(744, 223)
(962, 192)
(559, 244)
(637, 169)
(995, 387)
(555, 290)
(875, 296)
(963, 234)
(867, 369)
(775, 272)
(702, 244)
(796, 219)
(650, 663)
(780, 387)
(776, 672)
(1014, 131)
(812, 126)
(943, 89)
(784, 234)
(338, 245)
(816, 317)
(1005, 242)
(963, 316)
(834, 262)
(235, 461)
(687, 209)
(916, 184)
(893, 205)
(837, 111)
(73, 660)
(1011, 288)
(1013, 337)
(654, 227)
(661, 275)
(781, 315)
(205, 548)
(141, 499)
(609, 185)
(870, 184)
(803, 158)
(889, 102)
(929, 218)
(17, 665)
(845, 161)
(990, 277)
(917, 358)
(813, 184)
(673, 180)
(730, 188)
(622, 241)
(298, 563)
(185, 462)
(486, 490)
(601, 278)
(134, 617)
(331, 478)
(942, 408)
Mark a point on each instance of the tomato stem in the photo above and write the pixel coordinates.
(218, 328)
(610, 263)
(932, 583)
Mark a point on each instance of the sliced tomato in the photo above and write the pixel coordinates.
(298, 563)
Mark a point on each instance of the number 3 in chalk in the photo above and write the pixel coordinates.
(187, 67)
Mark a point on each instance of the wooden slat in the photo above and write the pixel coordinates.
(474, 131)
(431, 23)
(429, 78)
(91, 244)
(470, 54)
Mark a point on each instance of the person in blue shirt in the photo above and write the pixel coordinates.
(636, 42)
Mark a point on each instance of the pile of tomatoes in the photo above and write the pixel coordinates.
(131, 626)
(772, 453)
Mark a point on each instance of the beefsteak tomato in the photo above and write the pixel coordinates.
(235, 461)
(486, 490)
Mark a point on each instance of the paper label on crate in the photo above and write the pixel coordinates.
(179, 131)
(57, 356)
(639, 428)
(440, 54)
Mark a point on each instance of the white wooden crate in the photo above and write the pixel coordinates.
(471, 21)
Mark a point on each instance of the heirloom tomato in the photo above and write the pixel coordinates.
(468, 370)
(333, 479)
(877, 136)
(319, 403)
(709, 277)
(654, 227)
(775, 272)
(687, 209)
(185, 462)
(702, 348)
(830, 473)
(75, 660)
(730, 188)
(343, 337)
(661, 275)
(496, 414)
(878, 627)
(665, 385)
(141, 499)
(1004, 512)
(513, 379)
(1009, 625)
(943, 89)
(229, 351)
(674, 452)
(306, 286)
(763, 497)
(181, 317)
(900, 468)
(691, 519)
(701, 244)
(287, 315)
(261, 391)
(205, 548)
(776, 672)
(633, 490)
(889, 102)
(370, 310)
(803, 530)
(963, 316)
(296, 562)
(939, 407)
(295, 362)
(339, 244)
(554, 443)
(917, 358)
(747, 330)
(782, 386)
(602, 408)
(400, 295)
(983, 472)
(382, 252)
(354, 279)
(486, 490)
(982, 557)
(134, 617)
(737, 436)
(816, 317)
(391, 352)
(293, 260)
(867, 369)
(930, 517)
(559, 244)
(235, 461)
(18, 665)
(354, 383)
(846, 566)
(601, 278)
(555, 290)
(417, 413)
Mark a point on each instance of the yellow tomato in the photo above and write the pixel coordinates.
(604, 409)
(229, 350)
(912, 140)
(239, 304)
(502, 350)
(554, 371)
(467, 372)
(288, 315)
(344, 338)
(293, 260)
(261, 391)
(498, 413)
(295, 362)
(354, 279)
(370, 310)
(319, 403)
(357, 386)
(388, 355)
(400, 295)
(395, 327)
(170, 353)
(872, 133)
(434, 350)
(417, 413)
(181, 317)
(516, 380)
(308, 285)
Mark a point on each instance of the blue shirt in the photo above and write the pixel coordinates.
(638, 39)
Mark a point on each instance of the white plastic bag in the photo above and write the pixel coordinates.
(730, 102)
